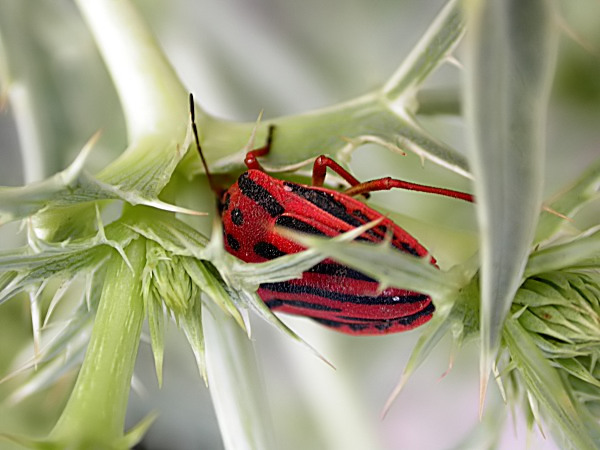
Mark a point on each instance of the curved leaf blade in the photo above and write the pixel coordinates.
(510, 50)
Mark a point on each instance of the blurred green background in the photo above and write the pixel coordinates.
(284, 57)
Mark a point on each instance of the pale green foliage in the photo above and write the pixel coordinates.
(554, 343)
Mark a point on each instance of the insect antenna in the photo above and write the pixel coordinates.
(211, 180)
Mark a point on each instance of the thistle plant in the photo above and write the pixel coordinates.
(113, 254)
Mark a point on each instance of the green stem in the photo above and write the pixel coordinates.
(148, 87)
(95, 413)
(438, 101)
(433, 48)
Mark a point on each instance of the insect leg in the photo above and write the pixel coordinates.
(320, 168)
(251, 160)
(384, 184)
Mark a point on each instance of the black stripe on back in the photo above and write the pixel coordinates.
(298, 225)
(358, 324)
(276, 303)
(267, 250)
(260, 195)
(324, 201)
(408, 249)
(405, 320)
(338, 270)
(337, 324)
(358, 213)
(291, 288)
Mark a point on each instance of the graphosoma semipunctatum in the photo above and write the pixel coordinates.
(330, 293)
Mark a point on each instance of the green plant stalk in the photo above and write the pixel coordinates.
(149, 98)
(153, 98)
(95, 412)
(433, 48)
(24, 83)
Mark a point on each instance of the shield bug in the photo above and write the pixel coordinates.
(331, 293)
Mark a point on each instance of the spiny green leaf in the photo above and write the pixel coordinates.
(210, 282)
(581, 252)
(558, 304)
(575, 368)
(434, 331)
(335, 131)
(387, 265)
(19, 202)
(74, 186)
(511, 52)
(166, 230)
(438, 42)
(456, 319)
(63, 259)
(191, 323)
(585, 189)
(135, 435)
(155, 318)
(556, 349)
(546, 387)
(384, 116)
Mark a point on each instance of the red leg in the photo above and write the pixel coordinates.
(250, 160)
(320, 169)
(384, 184)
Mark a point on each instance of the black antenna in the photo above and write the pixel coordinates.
(211, 182)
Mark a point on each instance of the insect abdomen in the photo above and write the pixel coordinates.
(333, 294)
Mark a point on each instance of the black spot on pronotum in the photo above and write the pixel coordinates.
(233, 242)
(267, 250)
(260, 195)
(298, 225)
(237, 217)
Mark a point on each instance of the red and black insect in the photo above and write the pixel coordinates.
(331, 293)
